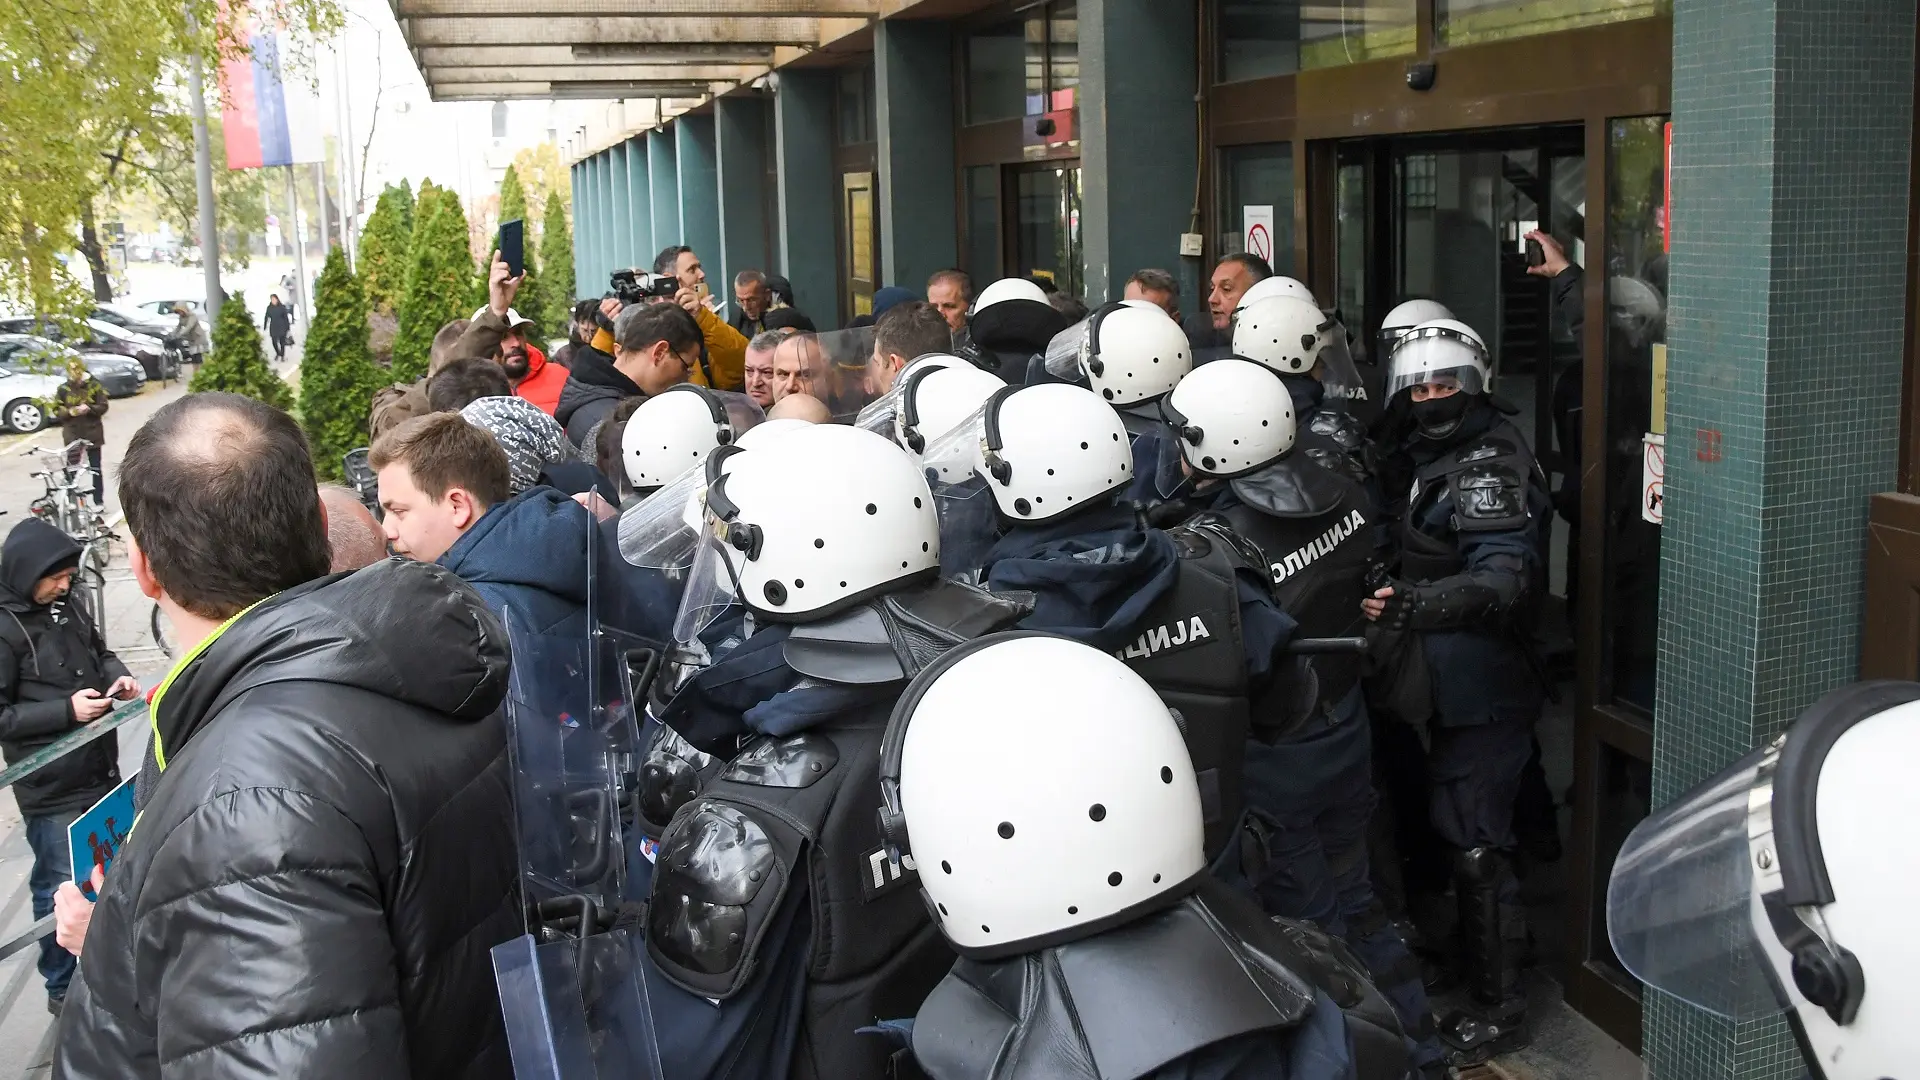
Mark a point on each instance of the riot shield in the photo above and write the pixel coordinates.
(577, 998)
(969, 518)
(830, 366)
(1347, 390)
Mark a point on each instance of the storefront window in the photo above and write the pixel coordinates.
(983, 222)
(857, 102)
(1258, 38)
(1063, 46)
(1256, 202)
(1005, 64)
(1636, 359)
(1467, 22)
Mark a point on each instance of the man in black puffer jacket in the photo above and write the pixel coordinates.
(324, 854)
(55, 672)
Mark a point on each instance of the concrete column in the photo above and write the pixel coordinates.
(700, 195)
(913, 75)
(622, 209)
(803, 147)
(740, 152)
(1786, 312)
(603, 199)
(1137, 157)
(640, 193)
(590, 227)
(579, 218)
(663, 173)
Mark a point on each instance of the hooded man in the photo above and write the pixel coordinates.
(56, 672)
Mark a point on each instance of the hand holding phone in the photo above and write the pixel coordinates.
(513, 246)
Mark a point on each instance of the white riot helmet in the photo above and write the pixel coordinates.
(1133, 353)
(882, 413)
(1015, 853)
(1283, 332)
(676, 429)
(1277, 285)
(1232, 416)
(935, 399)
(1405, 317)
(1005, 289)
(830, 516)
(1779, 886)
(1442, 351)
(1051, 448)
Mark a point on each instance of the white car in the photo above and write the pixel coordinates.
(26, 395)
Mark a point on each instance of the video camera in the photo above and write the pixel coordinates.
(639, 287)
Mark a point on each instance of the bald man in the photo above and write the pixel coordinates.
(356, 539)
(800, 407)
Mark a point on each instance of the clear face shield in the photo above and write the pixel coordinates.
(832, 367)
(969, 519)
(1682, 911)
(1437, 354)
(1346, 391)
(1066, 355)
(881, 415)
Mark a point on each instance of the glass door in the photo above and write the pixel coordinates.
(1046, 225)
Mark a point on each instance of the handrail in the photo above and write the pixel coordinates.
(73, 740)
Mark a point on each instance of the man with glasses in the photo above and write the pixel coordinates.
(655, 346)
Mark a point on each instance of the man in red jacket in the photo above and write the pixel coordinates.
(526, 366)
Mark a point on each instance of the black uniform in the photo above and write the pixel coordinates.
(773, 894)
(1470, 572)
(1206, 988)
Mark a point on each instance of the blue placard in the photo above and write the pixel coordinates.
(95, 836)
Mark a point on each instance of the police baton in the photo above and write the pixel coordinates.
(1315, 646)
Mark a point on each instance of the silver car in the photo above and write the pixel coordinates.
(29, 375)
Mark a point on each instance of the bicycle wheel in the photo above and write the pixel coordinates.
(157, 626)
(91, 587)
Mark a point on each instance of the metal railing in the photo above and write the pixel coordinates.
(47, 755)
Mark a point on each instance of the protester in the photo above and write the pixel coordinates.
(888, 297)
(1156, 287)
(394, 405)
(447, 489)
(537, 449)
(782, 290)
(279, 323)
(582, 326)
(759, 365)
(79, 404)
(533, 378)
(55, 672)
(353, 537)
(912, 330)
(798, 367)
(801, 407)
(656, 345)
(950, 292)
(1234, 275)
(788, 318)
(751, 298)
(463, 382)
(726, 347)
(324, 858)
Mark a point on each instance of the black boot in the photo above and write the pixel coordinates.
(1492, 932)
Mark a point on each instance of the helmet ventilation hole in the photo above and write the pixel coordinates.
(943, 909)
(1073, 910)
(798, 584)
(1083, 446)
(924, 547)
(1022, 507)
(1006, 830)
(872, 509)
(776, 593)
(1097, 812)
(819, 543)
(1166, 774)
(1156, 879)
(916, 502)
(946, 867)
(984, 929)
(1113, 879)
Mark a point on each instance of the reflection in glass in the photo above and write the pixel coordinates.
(1252, 176)
(1047, 241)
(1063, 46)
(1636, 347)
(983, 222)
(1350, 242)
(1258, 38)
(1623, 792)
(996, 61)
(1465, 22)
(857, 121)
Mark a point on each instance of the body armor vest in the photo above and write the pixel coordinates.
(1317, 550)
(1467, 473)
(1190, 650)
(796, 814)
(1125, 1003)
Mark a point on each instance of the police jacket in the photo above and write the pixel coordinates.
(772, 891)
(1471, 561)
(324, 856)
(1188, 616)
(1206, 988)
(47, 652)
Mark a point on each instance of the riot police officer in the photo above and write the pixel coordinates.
(1468, 573)
(1189, 613)
(1308, 781)
(1078, 898)
(1131, 354)
(1010, 323)
(772, 895)
(1304, 345)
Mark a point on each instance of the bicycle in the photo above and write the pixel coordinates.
(68, 503)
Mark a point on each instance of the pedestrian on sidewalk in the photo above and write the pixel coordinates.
(79, 404)
(56, 672)
(279, 324)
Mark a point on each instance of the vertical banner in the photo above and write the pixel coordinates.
(268, 117)
(1256, 231)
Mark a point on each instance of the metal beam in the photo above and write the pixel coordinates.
(675, 54)
(666, 57)
(690, 93)
(448, 75)
(582, 29)
(713, 9)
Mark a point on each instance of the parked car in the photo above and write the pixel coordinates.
(127, 317)
(122, 376)
(164, 308)
(28, 379)
(98, 335)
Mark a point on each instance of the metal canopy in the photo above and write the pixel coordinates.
(614, 49)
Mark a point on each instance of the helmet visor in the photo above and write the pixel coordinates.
(661, 531)
(1066, 354)
(1681, 908)
(1437, 356)
(969, 522)
(710, 590)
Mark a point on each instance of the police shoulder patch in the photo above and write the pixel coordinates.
(1485, 450)
(1489, 497)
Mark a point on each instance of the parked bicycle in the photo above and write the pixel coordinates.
(68, 505)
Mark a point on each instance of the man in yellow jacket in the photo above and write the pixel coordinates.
(726, 348)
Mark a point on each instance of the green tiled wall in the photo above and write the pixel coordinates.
(1792, 138)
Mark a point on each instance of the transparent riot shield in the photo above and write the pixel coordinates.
(969, 518)
(1347, 390)
(831, 367)
(566, 791)
(577, 998)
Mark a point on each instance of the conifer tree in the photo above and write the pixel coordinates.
(337, 374)
(238, 364)
(556, 260)
(384, 245)
(440, 281)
